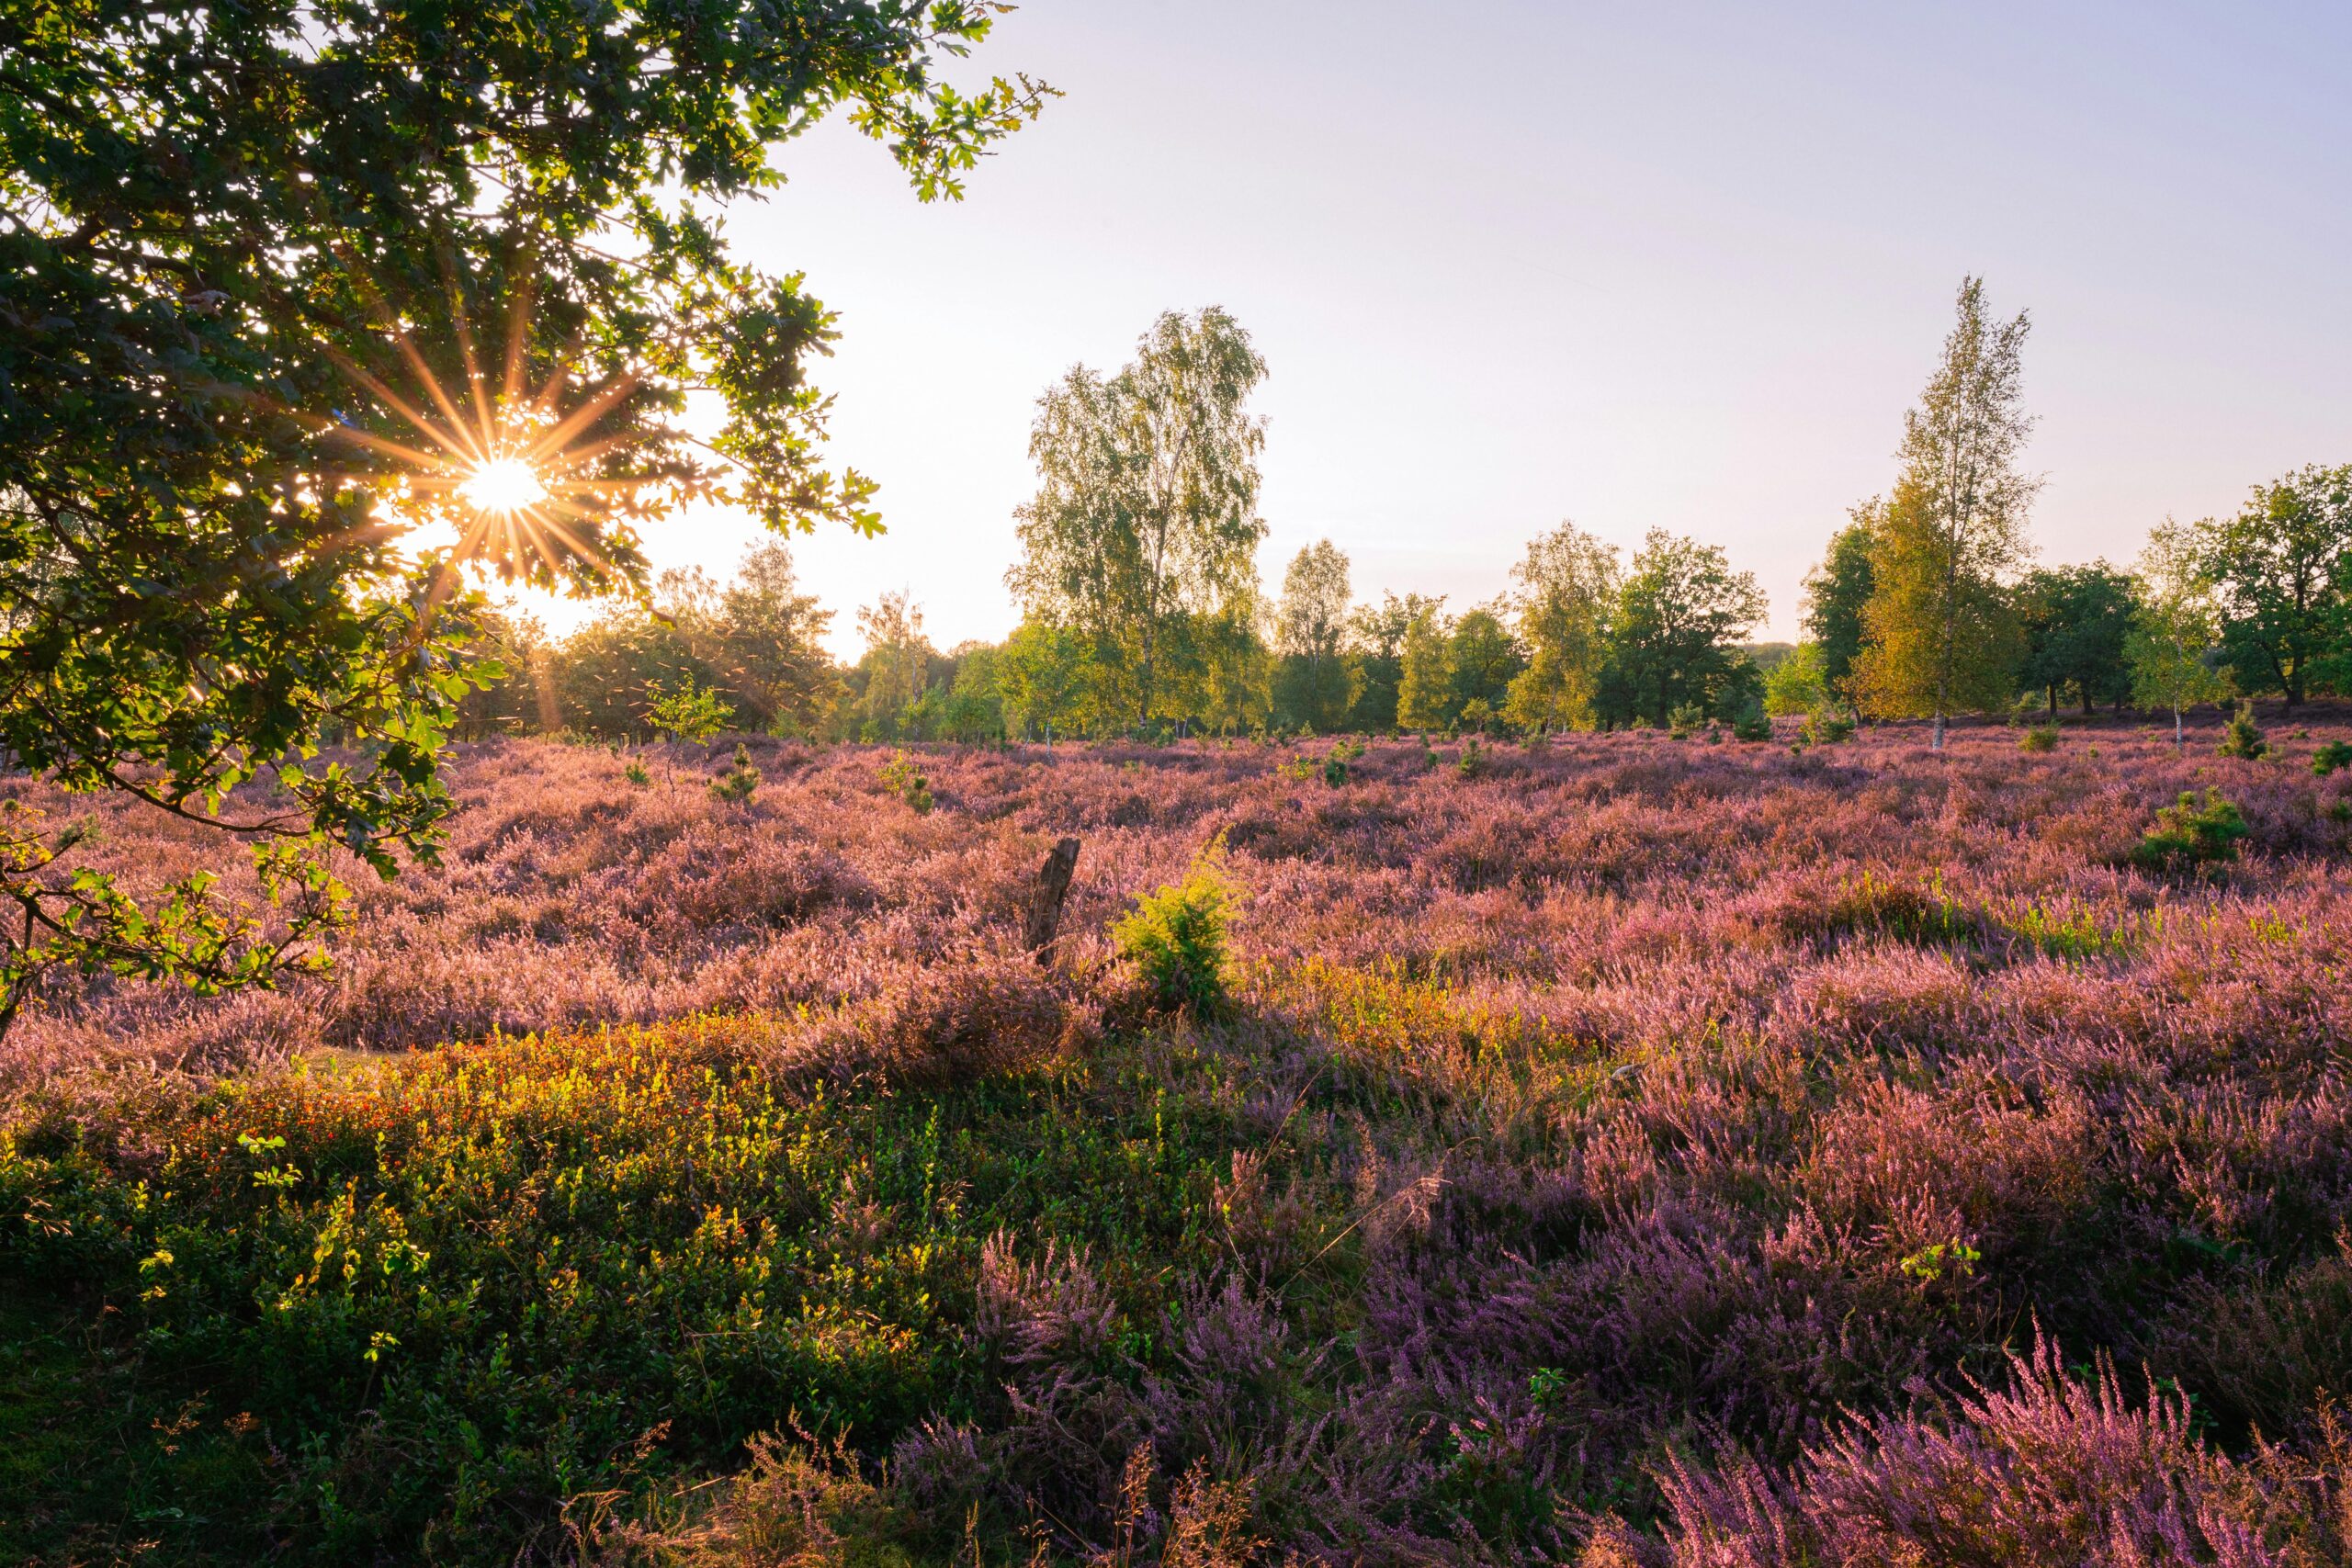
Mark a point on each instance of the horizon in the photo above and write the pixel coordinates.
(1694, 290)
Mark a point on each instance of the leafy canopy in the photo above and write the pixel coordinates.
(279, 282)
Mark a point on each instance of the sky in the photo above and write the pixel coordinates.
(1658, 265)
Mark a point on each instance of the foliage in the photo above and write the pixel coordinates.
(766, 646)
(243, 248)
(2040, 737)
(685, 712)
(740, 782)
(1044, 678)
(2176, 625)
(1753, 725)
(2283, 567)
(1626, 1091)
(902, 778)
(1940, 629)
(895, 672)
(2188, 834)
(1567, 592)
(2329, 758)
(1176, 937)
(2076, 622)
(1827, 726)
(1378, 635)
(1837, 594)
(2244, 739)
(1798, 684)
(1673, 638)
(1145, 515)
(1314, 686)
(1427, 692)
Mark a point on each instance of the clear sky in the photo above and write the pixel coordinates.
(1656, 265)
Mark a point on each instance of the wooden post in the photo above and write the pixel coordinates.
(1045, 898)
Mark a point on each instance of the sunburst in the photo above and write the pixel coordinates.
(513, 472)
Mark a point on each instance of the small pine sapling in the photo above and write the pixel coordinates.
(2244, 738)
(1753, 725)
(739, 781)
(1176, 937)
(2329, 758)
(900, 777)
(2188, 835)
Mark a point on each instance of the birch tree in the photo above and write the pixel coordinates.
(1146, 515)
(1568, 587)
(1940, 631)
(2176, 625)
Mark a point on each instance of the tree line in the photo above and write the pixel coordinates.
(1142, 610)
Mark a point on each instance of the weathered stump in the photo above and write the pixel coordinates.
(1045, 898)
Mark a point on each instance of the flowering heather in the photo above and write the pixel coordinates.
(1630, 1151)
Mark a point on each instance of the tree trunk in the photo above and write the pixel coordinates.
(1045, 895)
(1939, 743)
(2179, 737)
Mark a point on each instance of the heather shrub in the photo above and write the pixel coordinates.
(1176, 937)
(1628, 1101)
(2244, 739)
(2055, 1470)
(2189, 835)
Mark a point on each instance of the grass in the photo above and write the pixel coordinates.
(450, 1293)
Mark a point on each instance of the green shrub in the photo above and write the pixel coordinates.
(1753, 724)
(2188, 834)
(2041, 738)
(1823, 727)
(1684, 721)
(1335, 767)
(2334, 755)
(739, 781)
(634, 773)
(900, 777)
(1176, 936)
(1472, 763)
(2244, 738)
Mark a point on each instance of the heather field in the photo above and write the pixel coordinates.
(1625, 1151)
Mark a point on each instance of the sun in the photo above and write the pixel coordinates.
(503, 485)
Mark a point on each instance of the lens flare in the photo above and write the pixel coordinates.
(503, 486)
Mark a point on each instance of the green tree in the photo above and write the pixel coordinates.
(2076, 619)
(895, 672)
(1045, 678)
(1425, 689)
(1674, 635)
(602, 675)
(1836, 594)
(1376, 638)
(770, 645)
(1940, 627)
(1231, 675)
(1798, 684)
(975, 702)
(1568, 589)
(1314, 685)
(1147, 507)
(2176, 626)
(280, 282)
(2284, 568)
(1483, 662)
